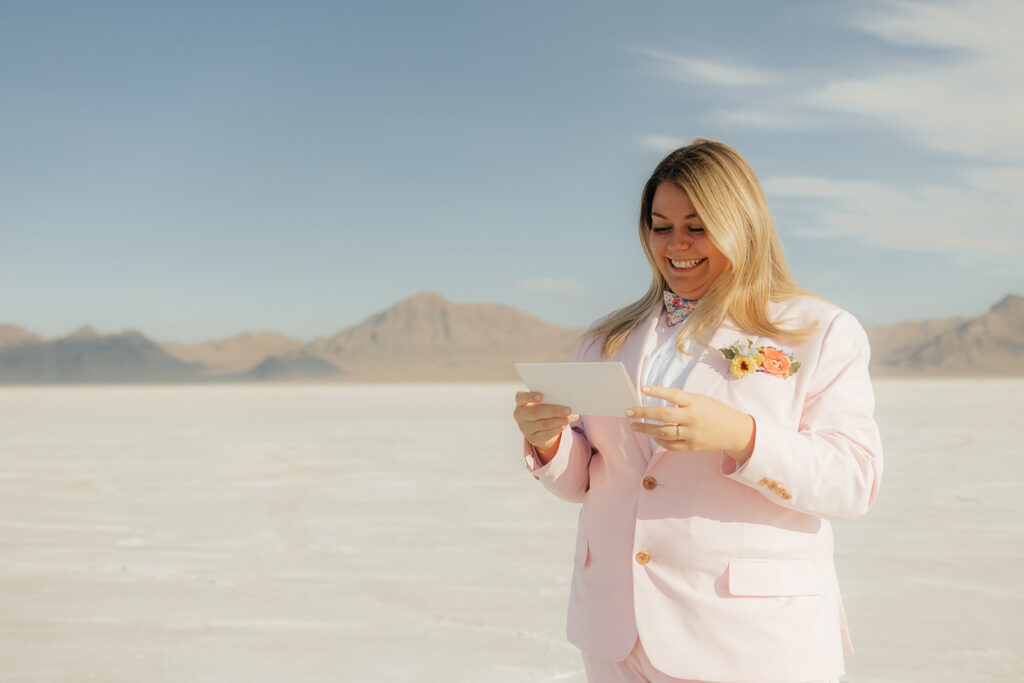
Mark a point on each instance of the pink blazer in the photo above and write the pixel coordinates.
(725, 573)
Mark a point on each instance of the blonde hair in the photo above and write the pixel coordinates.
(731, 205)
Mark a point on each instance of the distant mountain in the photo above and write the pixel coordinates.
(295, 368)
(87, 356)
(428, 338)
(16, 336)
(422, 338)
(233, 355)
(899, 341)
(989, 344)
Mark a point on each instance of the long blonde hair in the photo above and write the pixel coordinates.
(731, 205)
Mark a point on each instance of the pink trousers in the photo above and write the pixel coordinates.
(637, 668)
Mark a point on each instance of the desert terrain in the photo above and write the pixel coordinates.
(388, 532)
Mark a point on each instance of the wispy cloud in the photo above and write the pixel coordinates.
(966, 109)
(968, 102)
(979, 216)
(662, 143)
(775, 116)
(688, 69)
(549, 285)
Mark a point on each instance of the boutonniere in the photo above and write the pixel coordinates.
(745, 359)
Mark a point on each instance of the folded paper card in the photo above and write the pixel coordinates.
(587, 388)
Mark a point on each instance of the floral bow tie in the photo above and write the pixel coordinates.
(677, 308)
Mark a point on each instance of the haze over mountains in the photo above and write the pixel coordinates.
(427, 338)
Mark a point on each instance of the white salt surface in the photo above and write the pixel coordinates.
(389, 533)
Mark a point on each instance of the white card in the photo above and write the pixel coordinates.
(587, 388)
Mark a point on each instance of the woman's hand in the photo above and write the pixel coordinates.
(696, 423)
(540, 423)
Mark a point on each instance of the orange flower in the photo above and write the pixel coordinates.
(775, 362)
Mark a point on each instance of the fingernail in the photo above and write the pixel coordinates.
(630, 413)
(565, 411)
(537, 397)
(646, 387)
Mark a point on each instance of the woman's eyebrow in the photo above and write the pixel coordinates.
(685, 218)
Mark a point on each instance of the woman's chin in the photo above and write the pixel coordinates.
(689, 290)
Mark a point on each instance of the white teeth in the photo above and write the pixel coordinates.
(686, 264)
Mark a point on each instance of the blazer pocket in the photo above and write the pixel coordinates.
(762, 384)
(756, 578)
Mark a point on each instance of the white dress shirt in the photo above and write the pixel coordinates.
(667, 366)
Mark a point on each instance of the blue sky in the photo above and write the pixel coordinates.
(196, 170)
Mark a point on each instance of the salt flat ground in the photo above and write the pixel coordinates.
(389, 533)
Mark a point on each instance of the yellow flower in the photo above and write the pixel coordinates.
(741, 366)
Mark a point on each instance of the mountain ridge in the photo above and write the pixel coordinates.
(427, 338)
(989, 344)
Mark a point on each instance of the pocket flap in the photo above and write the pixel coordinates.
(776, 577)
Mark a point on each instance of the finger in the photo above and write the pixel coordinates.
(543, 437)
(556, 423)
(673, 445)
(677, 396)
(539, 432)
(540, 411)
(669, 432)
(660, 413)
(525, 398)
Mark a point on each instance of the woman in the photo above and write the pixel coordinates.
(704, 551)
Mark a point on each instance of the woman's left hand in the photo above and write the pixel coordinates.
(696, 423)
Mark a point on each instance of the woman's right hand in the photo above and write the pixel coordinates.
(541, 423)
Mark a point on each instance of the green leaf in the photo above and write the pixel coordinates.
(728, 353)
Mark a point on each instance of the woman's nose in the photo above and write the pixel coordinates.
(681, 238)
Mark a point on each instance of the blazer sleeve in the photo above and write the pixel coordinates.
(567, 474)
(831, 466)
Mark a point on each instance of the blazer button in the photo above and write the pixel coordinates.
(643, 557)
(650, 483)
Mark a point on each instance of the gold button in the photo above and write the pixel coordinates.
(765, 481)
(650, 483)
(643, 557)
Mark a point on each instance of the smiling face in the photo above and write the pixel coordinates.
(682, 250)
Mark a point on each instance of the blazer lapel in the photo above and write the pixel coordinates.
(633, 355)
(711, 367)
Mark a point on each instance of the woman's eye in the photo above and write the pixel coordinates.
(694, 228)
(661, 229)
